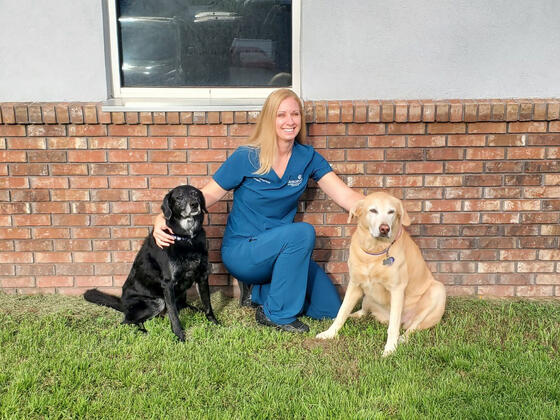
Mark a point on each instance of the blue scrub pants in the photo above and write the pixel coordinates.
(285, 280)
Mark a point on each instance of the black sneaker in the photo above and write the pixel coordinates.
(296, 327)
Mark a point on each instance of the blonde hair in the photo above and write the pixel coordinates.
(264, 136)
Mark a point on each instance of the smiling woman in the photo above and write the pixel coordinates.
(262, 246)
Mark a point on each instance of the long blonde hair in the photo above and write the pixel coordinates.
(264, 136)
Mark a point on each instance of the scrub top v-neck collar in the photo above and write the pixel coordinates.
(281, 178)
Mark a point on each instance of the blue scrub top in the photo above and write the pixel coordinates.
(262, 202)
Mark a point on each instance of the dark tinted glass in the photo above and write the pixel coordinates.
(203, 43)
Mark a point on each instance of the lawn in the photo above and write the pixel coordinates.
(62, 357)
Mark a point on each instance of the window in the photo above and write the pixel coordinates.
(202, 49)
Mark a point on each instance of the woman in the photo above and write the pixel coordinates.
(262, 245)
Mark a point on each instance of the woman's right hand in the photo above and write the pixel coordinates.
(163, 234)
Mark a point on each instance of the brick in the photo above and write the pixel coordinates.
(404, 154)
(482, 180)
(110, 195)
(108, 169)
(18, 282)
(70, 195)
(409, 128)
(46, 130)
(463, 167)
(67, 143)
(387, 141)
(443, 180)
(54, 233)
(28, 169)
(207, 156)
(553, 111)
(128, 130)
(540, 218)
(35, 269)
(12, 130)
(535, 291)
(506, 140)
(168, 156)
(333, 112)
(127, 155)
(90, 207)
(8, 114)
(543, 166)
(31, 220)
(73, 245)
(90, 114)
(521, 205)
(552, 179)
(504, 166)
(148, 143)
(128, 182)
(384, 168)
(460, 218)
(87, 156)
(424, 167)
(401, 181)
(366, 129)
(69, 169)
(535, 267)
(327, 129)
(55, 281)
(360, 111)
(401, 112)
(493, 153)
(188, 169)
(527, 127)
(426, 141)
(206, 130)
(374, 111)
(512, 112)
(12, 156)
(442, 205)
(49, 182)
(486, 127)
(108, 143)
(447, 128)
(170, 130)
(523, 180)
(466, 140)
(347, 142)
(45, 156)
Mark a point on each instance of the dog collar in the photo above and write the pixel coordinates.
(388, 260)
(182, 238)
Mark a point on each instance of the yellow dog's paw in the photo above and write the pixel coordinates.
(389, 350)
(326, 335)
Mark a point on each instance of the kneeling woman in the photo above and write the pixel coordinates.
(262, 245)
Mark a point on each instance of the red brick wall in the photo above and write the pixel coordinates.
(79, 187)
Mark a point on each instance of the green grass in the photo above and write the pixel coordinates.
(61, 357)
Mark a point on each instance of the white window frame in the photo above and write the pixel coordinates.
(186, 97)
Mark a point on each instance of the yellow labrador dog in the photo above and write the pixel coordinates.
(387, 269)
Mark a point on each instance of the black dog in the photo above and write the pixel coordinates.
(159, 278)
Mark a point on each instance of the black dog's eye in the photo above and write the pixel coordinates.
(373, 211)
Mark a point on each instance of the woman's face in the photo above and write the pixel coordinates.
(288, 120)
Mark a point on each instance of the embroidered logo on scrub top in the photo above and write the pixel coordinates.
(266, 181)
(295, 182)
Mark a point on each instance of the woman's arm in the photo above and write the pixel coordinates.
(338, 191)
(163, 234)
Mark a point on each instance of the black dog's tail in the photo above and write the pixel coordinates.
(103, 299)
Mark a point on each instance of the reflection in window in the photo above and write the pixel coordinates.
(203, 43)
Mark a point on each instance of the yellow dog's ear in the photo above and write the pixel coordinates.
(405, 219)
(355, 210)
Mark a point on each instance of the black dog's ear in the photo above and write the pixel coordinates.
(165, 206)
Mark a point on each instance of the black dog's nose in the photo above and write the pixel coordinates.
(384, 229)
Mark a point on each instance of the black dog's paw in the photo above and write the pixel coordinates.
(212, 319)
(180, 335)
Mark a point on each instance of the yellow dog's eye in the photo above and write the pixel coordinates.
(391, 211)
(373, 211)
